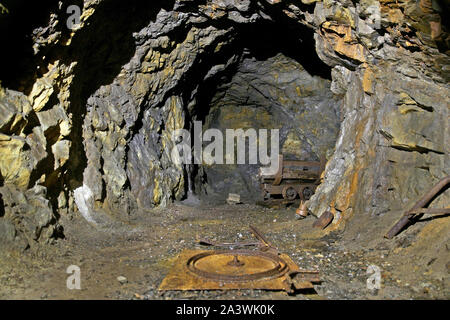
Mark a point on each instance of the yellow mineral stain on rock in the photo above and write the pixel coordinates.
(86, 14)
(4, 137)
(393, 15)
(354, 51)
(175, 121)
(157, 192)
(310, 1)
(346, 194)
(367, 82)
(341, 40)
(406, 108)
(218, 47)
(406, 99)
(292, 144)
(13, 162)
(339, 29)
(40, 94)
(344, 15)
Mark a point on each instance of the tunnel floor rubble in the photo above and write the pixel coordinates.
(143, 254)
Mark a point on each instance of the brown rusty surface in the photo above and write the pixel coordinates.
(324, 220)
(227, 270)
(430, 211)
(302, 210)
(258, 235)
(292, 178)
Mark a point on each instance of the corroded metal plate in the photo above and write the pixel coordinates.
(234, 269)
(237, 265)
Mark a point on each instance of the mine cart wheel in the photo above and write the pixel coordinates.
(307, 193)
(289, 193)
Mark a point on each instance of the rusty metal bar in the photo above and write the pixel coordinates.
(260, 237)
(432, 211)
(409, 215)
(228, 244)
(324, 220)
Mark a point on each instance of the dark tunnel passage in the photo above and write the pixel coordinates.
(273, 79)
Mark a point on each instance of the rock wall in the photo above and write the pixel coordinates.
(393, 145)
(93, 108)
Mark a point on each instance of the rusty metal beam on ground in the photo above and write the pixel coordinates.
(410, 214)
(431, 211)
(228, 244)
(258, 235)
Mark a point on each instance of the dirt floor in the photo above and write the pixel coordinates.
(143, 252)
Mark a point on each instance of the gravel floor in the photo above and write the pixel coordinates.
(144, 250)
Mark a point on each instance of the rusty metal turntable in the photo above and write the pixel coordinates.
(261, 268)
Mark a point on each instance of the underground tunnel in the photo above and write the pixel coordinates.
(91, 114)
(265, 86)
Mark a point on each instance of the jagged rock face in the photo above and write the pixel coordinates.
(97, 105)
(27, 217)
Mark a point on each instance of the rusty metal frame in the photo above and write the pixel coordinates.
(183, 278)
(283, 275)
(278, 187)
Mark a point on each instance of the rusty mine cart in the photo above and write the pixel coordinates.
(294, 178)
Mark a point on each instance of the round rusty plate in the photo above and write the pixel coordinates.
(237, 265)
